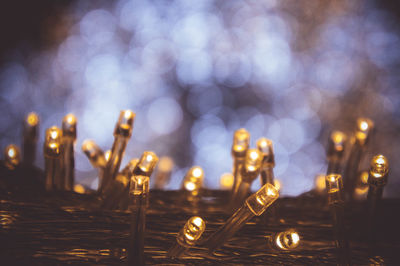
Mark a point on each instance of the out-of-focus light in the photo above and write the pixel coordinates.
(226, 181)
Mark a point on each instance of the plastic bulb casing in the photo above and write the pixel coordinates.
(52, 145)
(378, 172)
(287, 240)
(147, 163)
(94, 153)
(262, 199)
(193, 180)
(265, 146)
(241, 140)
(12, 156)
(336, 145)
(69, 126)
(252, 165)
(191, 231)
(334, 188)
(124, 125)
(139, 190)
(363, 131)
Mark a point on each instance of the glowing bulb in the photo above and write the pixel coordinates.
(277, 184)
(124, 125)
(32, 119)
(378, 171)
(107, 155)
(262, 199)
(193, 180)
(226, 181)
(79, 189)
(52, 145)
(364, 127)
(12, 156)
(139, 185)
(69, 126)
(265, 146)
(320, 183)
(336, 145)
(94, 153)
(192, 231)
(364, 177)
(241, 139)
(334, 187)
(147, 163)
(166, 164)
(287, 240)
(252, 165)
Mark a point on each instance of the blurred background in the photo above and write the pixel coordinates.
(195, 71)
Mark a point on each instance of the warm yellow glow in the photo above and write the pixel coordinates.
(320, 182)
(139, 185)
(197, 171)
(165, 164)
(253, 160)
(264, 197)
(193, 230)
(277, 184)
(271, 192)
(53, 145)
(147, 162)
(360, 191)
(53, 134)
(149, 157)
(79, 189)
(226, 181)
(338, 137)
(241, 140)
(254, 155)
(70, 119)
(364, 177)
(379, 166)
(295, 238)
(87, 145)
(11, 152)
(107, 155)
(32, 119)
(190, 186)
(287, 240)
(128, 114)
(363, 125)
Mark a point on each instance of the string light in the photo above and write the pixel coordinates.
(226, 181)
(256, 204)
(377, 179)
(53, 161)
(188, 236)
(361, 190)
(122, 133)
(241, 140)
(268, 162)
(336, 148)
(146, 164)
(285, 241)
(30, 135)
(249, 172)
(12, 157)
(164, 170)
(68, 140)
(334, 188)
(362, 136)
(193, 180)
(138, 195)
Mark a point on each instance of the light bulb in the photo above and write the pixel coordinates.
(12, 157)
(334, 188)
(336, 145)
(226, 181)
(139, 185)
(146, 164)
(363, 130)
(252, 165)
(69, 126)
(287, 240)
(265, 146)
(31, 132)
(262, 199)
(94, 153)
(107, 155)
(241, 139)
(378, 171)
(193, 180)
(124, 125)
(52, 145)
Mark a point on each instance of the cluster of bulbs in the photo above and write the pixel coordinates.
(128, 189)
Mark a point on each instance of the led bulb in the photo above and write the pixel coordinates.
(336, 145)
(262, 199)
(241, 139)
(52, 145)
(334, 187)
(287, 240)
(252, 165)
(94, 153)
(264, 145)
(378, 171)
(124, 125)
(193, 180)
(32, 119)
(139, 185)
(320, 183)
(107, 155)
(147, 163)
(12, 156)
(192, 231)
(31, 125)
(69, 126)
(226, 181)
(363, 130)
